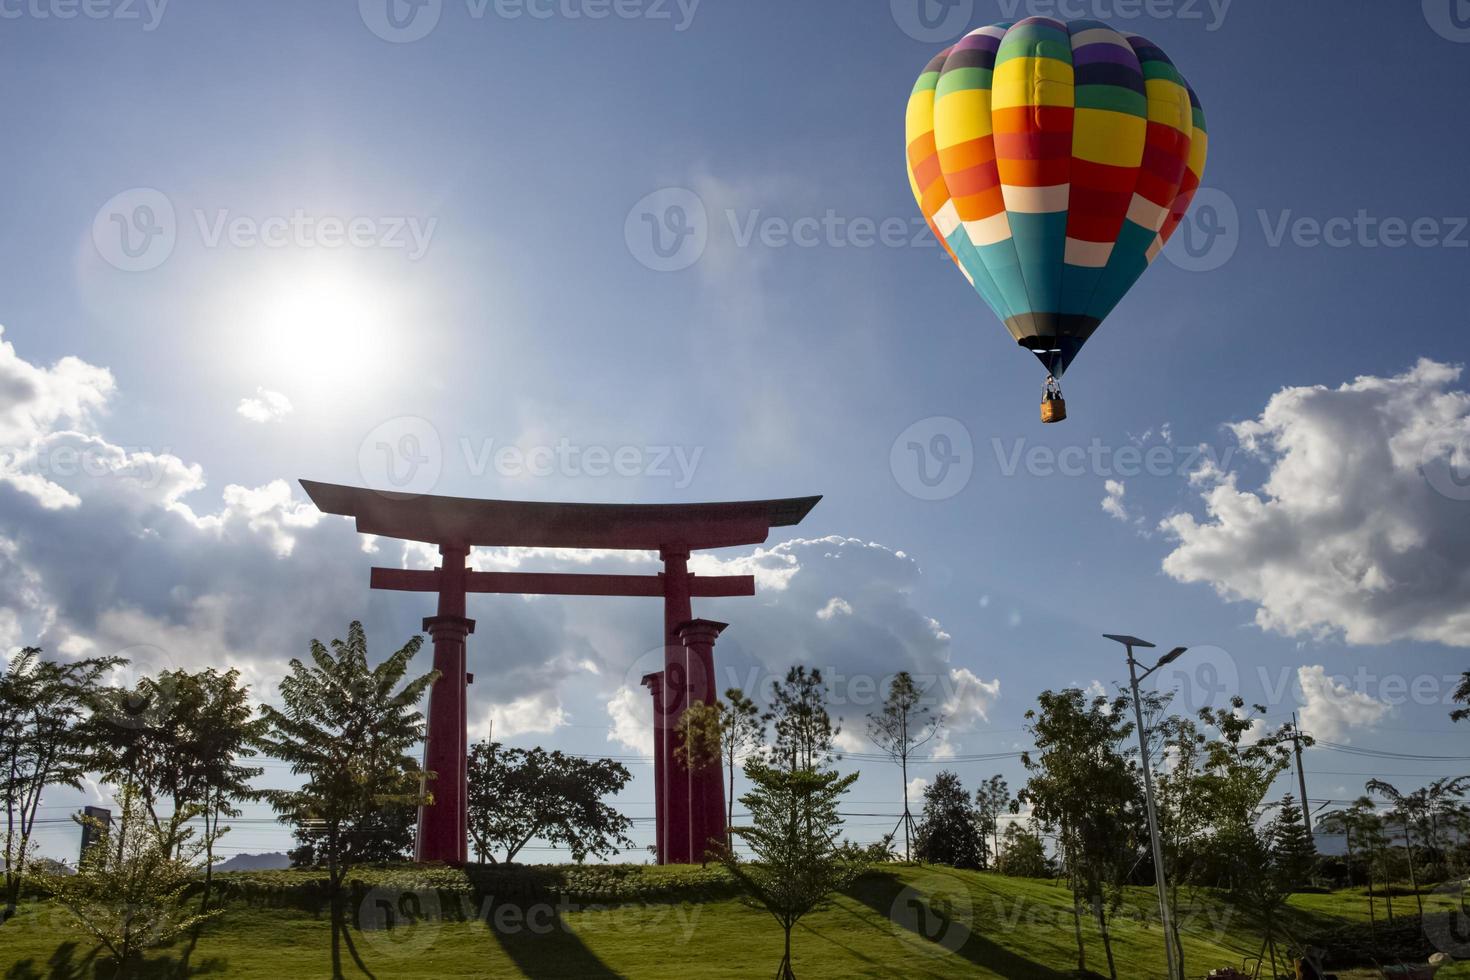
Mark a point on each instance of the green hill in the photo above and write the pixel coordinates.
(670, 923)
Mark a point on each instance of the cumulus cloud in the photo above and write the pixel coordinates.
(632, 720)
(965, 705)
(1112, 502)
(106, 550)
(1359, 528)
(1331, 709)
(835, 607)
(539, 713)
(265, 406)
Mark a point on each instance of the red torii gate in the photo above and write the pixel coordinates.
(690, 806)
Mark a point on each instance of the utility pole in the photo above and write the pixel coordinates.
(1301, 774)
(1148, 785)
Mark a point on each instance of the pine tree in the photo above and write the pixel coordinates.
(1293, 853)
(949, 832)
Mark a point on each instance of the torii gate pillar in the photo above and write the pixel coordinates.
(444, 826)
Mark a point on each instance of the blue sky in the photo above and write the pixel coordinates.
(502, 288)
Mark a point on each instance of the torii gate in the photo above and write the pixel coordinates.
(690, 806)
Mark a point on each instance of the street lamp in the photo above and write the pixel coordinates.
(1148, 779)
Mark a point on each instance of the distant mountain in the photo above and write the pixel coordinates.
(255, 862)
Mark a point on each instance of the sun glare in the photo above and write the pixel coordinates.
(320, 327)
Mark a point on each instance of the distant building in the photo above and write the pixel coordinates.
(92, 815)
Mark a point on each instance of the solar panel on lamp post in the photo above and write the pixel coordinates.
(1130, 642)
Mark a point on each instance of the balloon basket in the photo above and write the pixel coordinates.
(1053, 410)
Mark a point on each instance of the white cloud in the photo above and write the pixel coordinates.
(535, 714)
(134, 553)
(632, 720)
(1331, 710)
(917, 785)
(850, 740)
(1112, 502)
(965, 705)
(1354, 531)
(835, 607)
(266, 406)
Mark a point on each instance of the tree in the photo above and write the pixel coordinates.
(345, 728)
(992, 799)
(793, 835)
(218, 731)
(132, 898)
(517, 795)
(1406, 808)
(725, 732)
(904, 723)
(1462, 696)
(45, 740)
(180, 736)
(1182, 796)
(949, 832)
(1082, 786)
(1361, 830)
(804, 729)
(1293, 853)
(1022, 854)
(1441, 805)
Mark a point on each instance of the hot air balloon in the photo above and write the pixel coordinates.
(1054, 159)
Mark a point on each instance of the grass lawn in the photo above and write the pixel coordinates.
(912, 923)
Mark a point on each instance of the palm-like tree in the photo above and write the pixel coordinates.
(1442, 803)
(1407, 809)
(1363, 831)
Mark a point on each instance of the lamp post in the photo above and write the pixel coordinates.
(1148, 781)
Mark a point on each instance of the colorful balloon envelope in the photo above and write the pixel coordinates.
(1054, 160)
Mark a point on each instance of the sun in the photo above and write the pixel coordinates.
(318, 324)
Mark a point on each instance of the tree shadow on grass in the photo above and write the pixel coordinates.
(70, 962)
(542, 946)
(952, 929)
